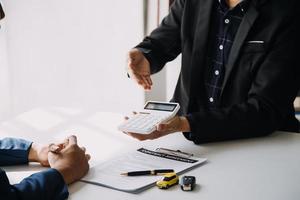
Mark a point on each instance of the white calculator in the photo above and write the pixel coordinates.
(145, 121)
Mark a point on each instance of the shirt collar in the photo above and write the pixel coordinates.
(243, 5)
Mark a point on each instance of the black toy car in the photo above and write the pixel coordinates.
(187, 183)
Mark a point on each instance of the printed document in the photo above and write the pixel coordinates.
(108, 174)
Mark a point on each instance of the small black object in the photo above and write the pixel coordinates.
(1, 12)
(148, 172)
(187, 183)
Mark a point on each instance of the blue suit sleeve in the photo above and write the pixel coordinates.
(46, 185)
(14, 151)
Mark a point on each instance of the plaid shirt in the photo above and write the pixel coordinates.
(225, 23)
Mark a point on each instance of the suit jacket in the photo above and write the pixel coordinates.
(261, 78)
(46, 185)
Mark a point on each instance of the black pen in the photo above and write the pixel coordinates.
(148, 172)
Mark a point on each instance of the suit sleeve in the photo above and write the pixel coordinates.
(14, 151)
(46, 185)
(164, 43)
(273, 90)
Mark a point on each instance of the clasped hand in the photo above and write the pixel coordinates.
(66, 157)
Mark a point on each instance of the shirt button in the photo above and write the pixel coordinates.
(221, 47)
(227, 21)
(211, 99)
(217, 72)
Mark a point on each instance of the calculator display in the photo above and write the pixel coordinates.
(160, 106)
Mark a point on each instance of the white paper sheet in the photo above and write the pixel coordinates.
(108, 174)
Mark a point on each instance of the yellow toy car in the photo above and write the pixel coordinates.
(168, 180)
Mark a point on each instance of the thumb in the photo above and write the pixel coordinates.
(160, 127)
(55, 148)
(164, 127)
(132, 57)
(135, 57)
(169, 125)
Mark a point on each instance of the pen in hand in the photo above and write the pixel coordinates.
(148, 172)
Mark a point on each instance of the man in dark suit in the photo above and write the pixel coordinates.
(67, 160)
(239, 74)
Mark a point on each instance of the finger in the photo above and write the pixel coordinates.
(160, 127)
(148, 79)
(146, 83)
(140, 80)
(61, 145)
(127, 118)
(83, 149)
(132, 55)
(54, 148)
(147, 88)
(72, 139)
(88, 156)
(169, 125)
(137, 78)
(133, 61)
(65, 143)
(132, 64)
(165, 127)
(142, 137)
(137, 136)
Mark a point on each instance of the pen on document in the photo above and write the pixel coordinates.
(148, 172)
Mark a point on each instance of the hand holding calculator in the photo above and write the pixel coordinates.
(153, 113)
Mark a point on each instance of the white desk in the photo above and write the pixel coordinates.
(264, 168)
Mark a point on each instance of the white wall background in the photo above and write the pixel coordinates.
(70, 53)
(4, 75)
(73, 53)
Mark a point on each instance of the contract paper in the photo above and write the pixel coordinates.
(108, 174)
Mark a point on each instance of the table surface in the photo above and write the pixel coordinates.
(265, 168)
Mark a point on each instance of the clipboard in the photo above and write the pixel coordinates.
(107, 174)
(174, 152)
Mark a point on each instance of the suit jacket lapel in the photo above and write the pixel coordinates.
(204, 11)
(203, 24)
(245, 26)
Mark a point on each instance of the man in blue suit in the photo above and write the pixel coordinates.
(67, 160)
